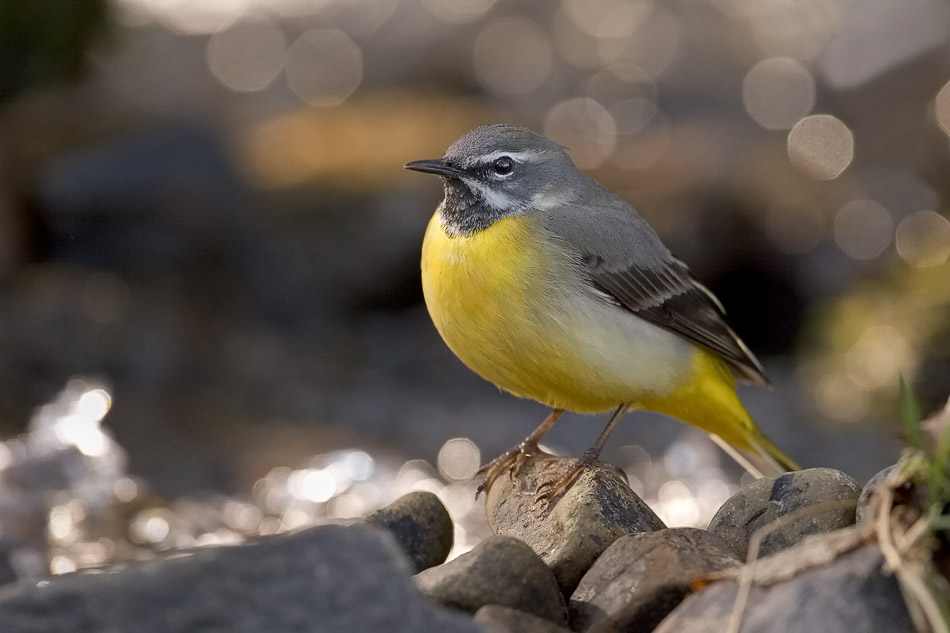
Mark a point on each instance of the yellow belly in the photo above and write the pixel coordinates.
(515, 311)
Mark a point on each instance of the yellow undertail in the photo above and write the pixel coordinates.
(709, 401)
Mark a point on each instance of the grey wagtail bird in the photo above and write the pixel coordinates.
(551, 287)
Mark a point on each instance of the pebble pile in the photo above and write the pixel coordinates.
(596, 560)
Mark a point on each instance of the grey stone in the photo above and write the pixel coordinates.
(421, 525)
(850, 593)
(822, 500)
(864, 499)
(499, 570)
(574, 529)
(325, 579)
(504, 619)
(641, 577)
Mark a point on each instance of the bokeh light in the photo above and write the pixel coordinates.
(677, 504)
(313, 484)
(247, 55)
(628, 93)
(686, 487)
(195, 18)
(652, 48)
(793, 29)
(512, 56)
(863, 229)
(354, 17)
(942, 108)
(575, 46)
(324, 67)
(585, 128)
(777, 92)
(923, 239)
(80, 426)
(458, 459)
(821, 146)
(152, 526)
(840, 398)
(646, 147)
(458, 11)
(879, 357)
(607, 18)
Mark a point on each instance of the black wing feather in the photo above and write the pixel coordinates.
(669, 297)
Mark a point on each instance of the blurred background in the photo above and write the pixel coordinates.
(211, 323)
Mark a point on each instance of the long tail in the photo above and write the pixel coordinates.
(765, 447)
(766, 459)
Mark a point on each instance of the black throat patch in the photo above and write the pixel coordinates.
(464, 211)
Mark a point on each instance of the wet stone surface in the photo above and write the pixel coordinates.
(502, 619)
(861, 512)
(499, 570)
(574, 529)
(847, 594)
(328, 578)
(421, 525)
(642, 577)
(822, 500)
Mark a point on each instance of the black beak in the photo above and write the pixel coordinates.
(438, 166)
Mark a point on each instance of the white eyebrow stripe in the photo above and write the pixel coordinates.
(520, 157)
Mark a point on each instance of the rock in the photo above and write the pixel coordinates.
(574, 529)
(329, 578)
(865, 497)
(642, 577)
(829, 493)
(849, 593)
(421, 525)
(507, 620)
(499, 570)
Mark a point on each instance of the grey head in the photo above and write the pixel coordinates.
(499, 170)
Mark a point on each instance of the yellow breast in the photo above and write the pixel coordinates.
(477, 291)
(513, 309)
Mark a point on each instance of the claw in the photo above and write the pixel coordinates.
(511, 461)
(514, 459)
(552, 489)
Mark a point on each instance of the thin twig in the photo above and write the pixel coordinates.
(746, 573)
(921, 603)
(912, 536)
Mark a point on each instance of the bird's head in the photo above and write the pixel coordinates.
(497, 171)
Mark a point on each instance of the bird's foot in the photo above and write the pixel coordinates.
(511, 461)
(551, 489)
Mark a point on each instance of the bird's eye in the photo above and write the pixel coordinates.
(503, 165)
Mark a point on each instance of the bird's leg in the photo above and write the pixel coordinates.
(551, 489)
(512, 460)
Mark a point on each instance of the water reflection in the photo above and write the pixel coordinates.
(95, 513)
